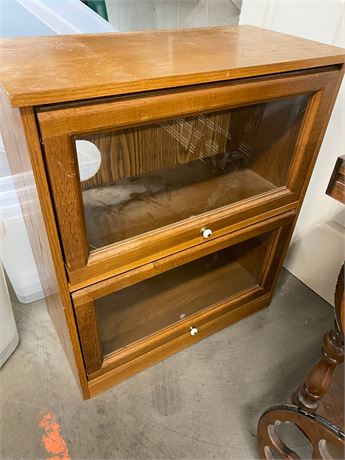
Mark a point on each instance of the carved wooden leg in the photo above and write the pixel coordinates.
(320, 376)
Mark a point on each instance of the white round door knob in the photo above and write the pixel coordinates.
(193, 330)
(206, 232)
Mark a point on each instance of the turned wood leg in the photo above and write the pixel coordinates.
(320, 376)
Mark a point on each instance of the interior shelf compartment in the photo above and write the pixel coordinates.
(149, 306)
(138, 205)
(154, 175)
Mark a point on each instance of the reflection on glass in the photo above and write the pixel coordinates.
(158, 174)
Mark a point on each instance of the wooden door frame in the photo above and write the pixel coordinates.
(86, 312)
(58, 126)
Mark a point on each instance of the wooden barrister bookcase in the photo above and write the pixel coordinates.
(160, 176)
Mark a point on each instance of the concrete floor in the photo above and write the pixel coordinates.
(201, 403)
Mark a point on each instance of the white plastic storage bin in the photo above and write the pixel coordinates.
(16, 254)
(8, 330)
(15, 251)
(67, 17)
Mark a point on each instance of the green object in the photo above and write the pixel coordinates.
(99, 6)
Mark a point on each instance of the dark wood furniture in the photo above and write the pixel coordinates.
(336, 186)
(319, 379)
(318, 404)
(205, 139)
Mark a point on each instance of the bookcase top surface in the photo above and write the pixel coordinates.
(54, 69)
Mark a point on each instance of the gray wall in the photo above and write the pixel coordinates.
(170, 14)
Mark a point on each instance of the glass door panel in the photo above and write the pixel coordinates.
(155, 303)
(138, 179)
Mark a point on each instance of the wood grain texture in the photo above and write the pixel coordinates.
(131, 208)
(64, 177)
(318, 409)
(56, 124)
(115, 374)
(132, 253)
(22, 145)
(180, 282)
(336, 186)
(214, 159)
(87, 66)
(326, 439)
(88, 325)
(89, 83)
(144, 308)
(171, 261)
(132, 110)
(319, 378)
(332, 405)
(309, 143)
(257, 134)
(167, 144)
(339, 301)
(312, 134)
(318, 382)
(321, 394)
(169, 334)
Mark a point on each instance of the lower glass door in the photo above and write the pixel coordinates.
(149, 306)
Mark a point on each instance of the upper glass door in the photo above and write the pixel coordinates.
(138, 177)
(149, 176)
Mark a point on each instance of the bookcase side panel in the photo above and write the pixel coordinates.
(18, 128)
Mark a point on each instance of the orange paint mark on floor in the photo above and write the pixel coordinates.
(52, 440)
